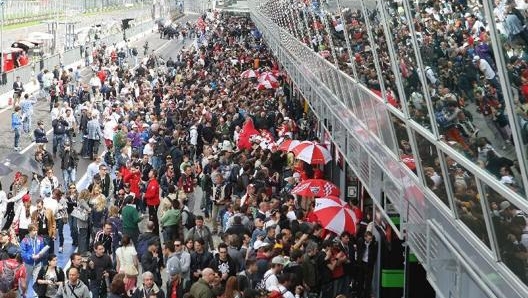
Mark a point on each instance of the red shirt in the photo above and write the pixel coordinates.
(152, 194)
(133, 178)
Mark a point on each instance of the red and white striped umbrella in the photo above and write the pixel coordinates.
(288, 145)
(267, 85)
(250, 73)
(267, 76)
(335, 215)
(316, 188)
(312, 153)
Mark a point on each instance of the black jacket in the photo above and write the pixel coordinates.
(372, 251)
(69, 158)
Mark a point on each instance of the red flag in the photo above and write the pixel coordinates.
(248, 131)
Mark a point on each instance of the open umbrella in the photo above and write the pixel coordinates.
(22, 162)
(312, 153)
(267, 76)
(316, 188)
(288, 145)
(267, 85)
(249, 73)
(335, 215)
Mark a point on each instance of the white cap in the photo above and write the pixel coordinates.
(260, 244)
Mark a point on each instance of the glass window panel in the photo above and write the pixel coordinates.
(468, 208)
(405, 151)
(509, 227)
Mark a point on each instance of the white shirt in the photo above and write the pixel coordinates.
(20, 216)
(271, 280)
(284, 292)
(365, 256)
(109, 129)
(47, 185)
(51, 204)
(486, 69)
(148, 150)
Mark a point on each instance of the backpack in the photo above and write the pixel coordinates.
(7, 277)
(261, 285)
(142, 247)
(134, 52)
(191, 220)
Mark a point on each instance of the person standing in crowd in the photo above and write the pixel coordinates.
(26, 106)
(367, 253)
(223, 263)
(171, 222)
(69, 162)
(127, 262)
(14, 263)
(81, 265)
(152, 199)
(50, 278)
(201, 288)
(93, 137)
(16, 126)
(74, 287)
(148, 288)
(60, 128)
(33, 250)
(23, 216)
(18, 89)
(200, 259)
(100, 271)
(71, 202)
(131, 219)
(46, 224)
(186, 183)
(221, 196)
(201, 231)
(151, 261)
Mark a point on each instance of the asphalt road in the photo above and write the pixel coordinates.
(80, 20)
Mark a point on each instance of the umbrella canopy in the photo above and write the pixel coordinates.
(267, 85)
(335, 215)
(312, 153)
(22, 162)
(267, 76)
(250, 73)
(4, 169)
(288, 145)
(316, 188)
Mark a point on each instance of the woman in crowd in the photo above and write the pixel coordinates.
(127, 262)
(50, 277)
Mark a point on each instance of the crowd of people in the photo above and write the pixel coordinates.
(182, 203)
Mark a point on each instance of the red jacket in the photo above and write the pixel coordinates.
(152, 194)
(134, 179)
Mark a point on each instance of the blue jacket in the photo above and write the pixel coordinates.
(30, 247)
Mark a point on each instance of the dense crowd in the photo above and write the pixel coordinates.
(458, 72)
(214, 206)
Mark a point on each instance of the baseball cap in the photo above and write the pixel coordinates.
(279, 260)
(260, 244)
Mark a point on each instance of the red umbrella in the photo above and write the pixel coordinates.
(312, 153)
(288, 145)
(267, 85)
(267, 76)
(250, 73)
(335, 215)
(316, 188)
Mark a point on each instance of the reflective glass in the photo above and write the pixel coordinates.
(511, 232)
